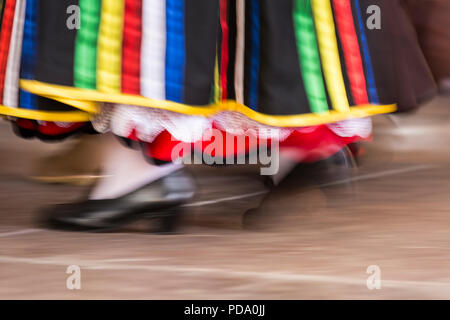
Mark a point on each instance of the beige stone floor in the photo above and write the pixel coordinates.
(319, 245)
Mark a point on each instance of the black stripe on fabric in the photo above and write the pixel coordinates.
(45, 104)
(201, 21)
(281, 89)
(247, 51)
(56, 43)
(232, 36)
(381, 52)
(327, 93)
(2, 3)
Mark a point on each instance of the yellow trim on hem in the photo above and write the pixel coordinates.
(302, 120)
(58, 116)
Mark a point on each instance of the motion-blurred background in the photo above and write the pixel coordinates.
(314, 240)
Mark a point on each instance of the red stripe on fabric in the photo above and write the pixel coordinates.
(352, 53)
(224, 52)
(131, 55)
(5, 40)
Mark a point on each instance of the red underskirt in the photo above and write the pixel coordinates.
(310, 146)
(48, 128)
(313, 146)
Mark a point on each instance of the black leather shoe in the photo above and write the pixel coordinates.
(160, 200)
(337, 170)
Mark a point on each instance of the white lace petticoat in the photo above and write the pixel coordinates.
(148, 123)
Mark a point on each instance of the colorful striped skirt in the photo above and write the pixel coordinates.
(151, 68)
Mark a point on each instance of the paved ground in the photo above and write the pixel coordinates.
(319, 244)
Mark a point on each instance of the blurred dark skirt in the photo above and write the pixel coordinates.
(431, 19)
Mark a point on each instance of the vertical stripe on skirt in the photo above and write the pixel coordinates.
(309, 56)
(232, 37)
(240, 51)
(255, 54)
(85, 60)
(217, 87)
(2, 8)
(28, 100)
(5, 41)
(175, 50)
(365, 47)
(224, 47)
(281, 89)
(218, 57)
(352, 54)
(56, 66)
(11, 89)
(153, 49)
(329, 53)
(132, 33)
(201, 46)
(109, 65)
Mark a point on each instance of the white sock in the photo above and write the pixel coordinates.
(126, 170)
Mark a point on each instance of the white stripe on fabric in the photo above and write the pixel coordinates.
(153, 52)
(11, 89)
(240, 50)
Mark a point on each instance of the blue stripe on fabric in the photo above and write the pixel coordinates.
(175, 51)
(365, 46)
(28, 62)
(255, 55)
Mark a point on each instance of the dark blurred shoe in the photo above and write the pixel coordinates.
(78, 165)
(160, 199)
(306, 178)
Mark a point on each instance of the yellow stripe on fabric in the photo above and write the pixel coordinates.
(302, 120)
(109, 56)
(62, 116)
(329, 53)
(217, 88)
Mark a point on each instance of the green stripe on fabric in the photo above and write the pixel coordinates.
(309, 57)
(85, 68)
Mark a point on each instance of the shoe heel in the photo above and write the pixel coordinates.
(167, 221)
